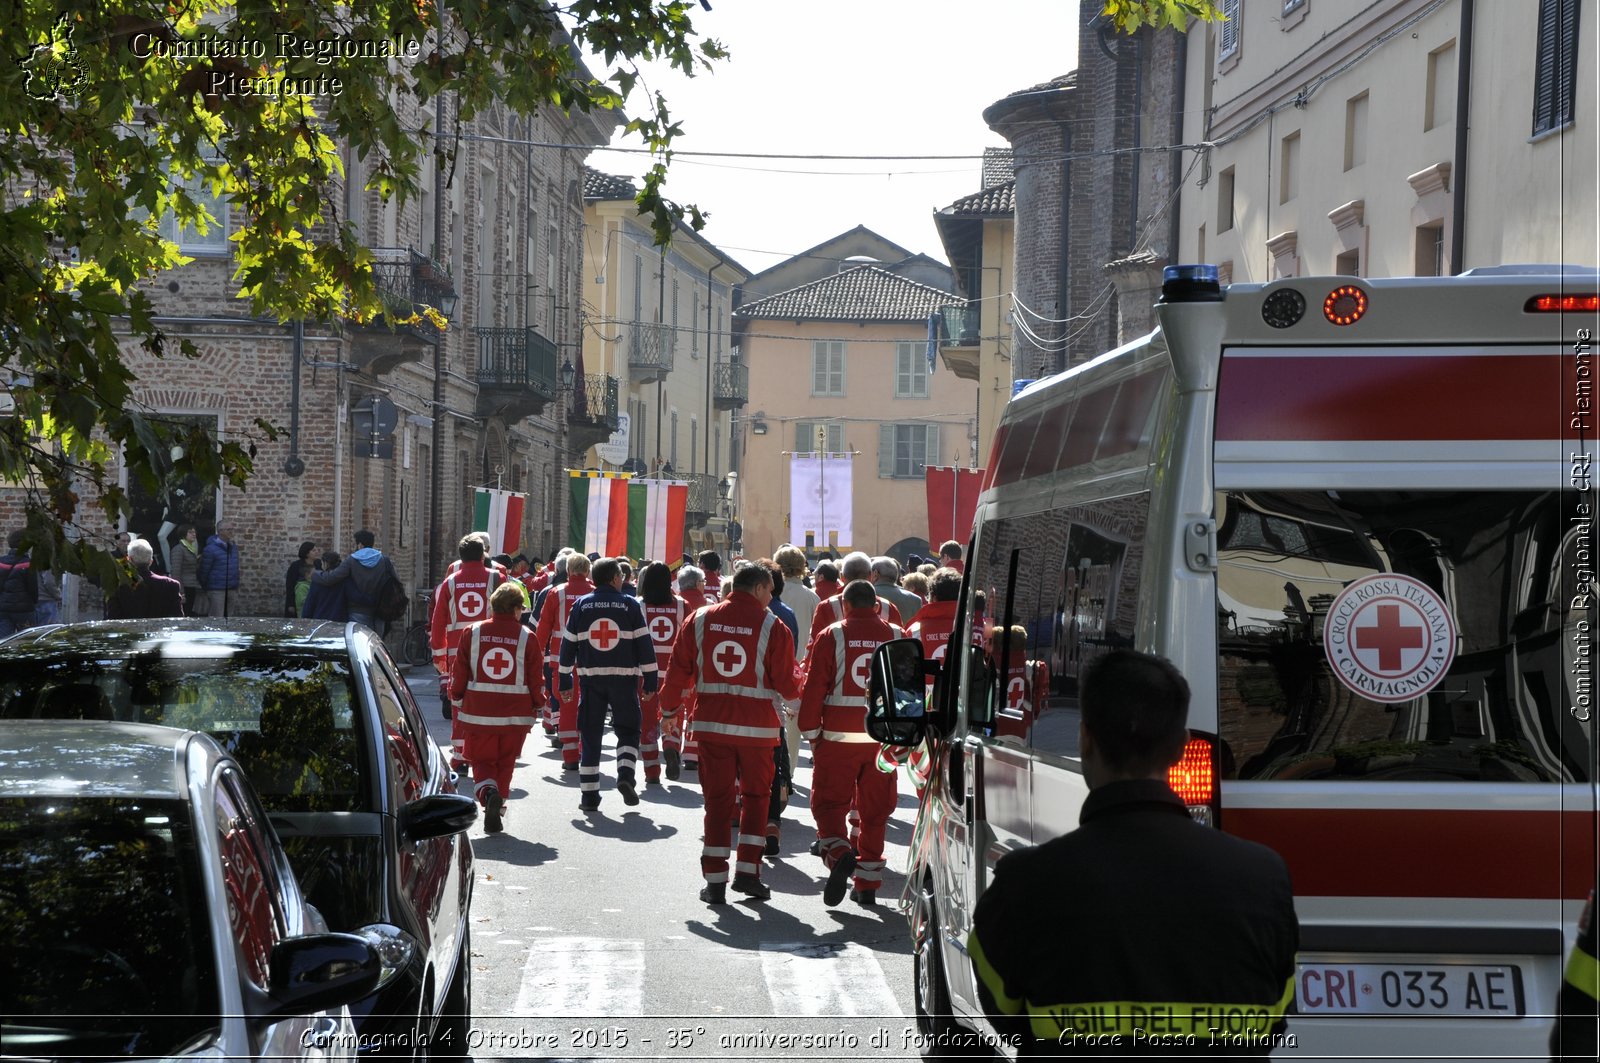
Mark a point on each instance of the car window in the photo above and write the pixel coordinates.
(406, 754)
(249, 881)
(1415, 635)
(104, 914)
(288, 720)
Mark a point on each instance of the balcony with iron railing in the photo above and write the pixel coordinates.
(650, 351)
(730, 383)
(958, 338)
(406, 281)
(515, 372)
(592, 415)
(704, 494)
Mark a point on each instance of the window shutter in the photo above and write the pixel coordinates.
(885, 451)
(804, 437)
(1228, 34)
(836, 438)
(1555, 68)
(931, 455)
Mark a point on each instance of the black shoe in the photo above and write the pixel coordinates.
(839, 880)
(816, 846)
(569, 765)
(674, 764)
(652, 782)
(589, 802)
(492, 803)
(751, 886)
(630, 795)
(691, 765)
(714, 893)
(865, 898)
(772, 846)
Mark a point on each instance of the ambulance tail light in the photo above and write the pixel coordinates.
(1563, 304)
(1194, 778)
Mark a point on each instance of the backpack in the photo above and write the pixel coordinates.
(392, 598)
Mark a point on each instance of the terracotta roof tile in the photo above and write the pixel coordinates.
(999, 201)
(865, 293)
(597, 185)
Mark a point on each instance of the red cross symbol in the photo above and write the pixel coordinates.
(604, 633)
(662, 628)
(1016, 692)
(470, 603)
(498, 663)
(861, 670)
(729, 658)
(1389, 637)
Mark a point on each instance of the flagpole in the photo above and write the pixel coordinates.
(822, 486)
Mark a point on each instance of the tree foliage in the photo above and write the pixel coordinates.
(107, 109)
(1130, 16)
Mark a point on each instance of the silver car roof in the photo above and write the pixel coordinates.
(68, 758)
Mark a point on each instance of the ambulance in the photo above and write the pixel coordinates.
(1359, 516)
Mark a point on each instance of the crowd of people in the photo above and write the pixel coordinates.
(695, 672)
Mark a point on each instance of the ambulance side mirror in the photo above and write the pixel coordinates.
(897, 694)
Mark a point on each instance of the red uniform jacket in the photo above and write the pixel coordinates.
(696, 598)
(831, 610)
(1027, 687)
(933, 627)
(558, 605)
(834, 705)
(740, 659)
(461, 601)
(497, 676)
(664, 622)
(826, 588)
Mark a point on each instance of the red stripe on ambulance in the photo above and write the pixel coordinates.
(1477, 853)
(1390, 397)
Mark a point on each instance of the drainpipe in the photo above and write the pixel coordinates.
(1064, 270)
(1458, 173)
(661, 381)
(293, 467)
(705, 458)
(437, 409)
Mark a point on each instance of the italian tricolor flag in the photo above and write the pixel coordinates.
(500, 514)
(614, 515)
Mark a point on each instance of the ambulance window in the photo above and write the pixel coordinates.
(1423, 636)
(1032, 547)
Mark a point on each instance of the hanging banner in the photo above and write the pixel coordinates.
(952, 502)
(500, 514)
(820, 500)
(615, 515)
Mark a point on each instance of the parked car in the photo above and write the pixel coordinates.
(319, 718)
(148, 909)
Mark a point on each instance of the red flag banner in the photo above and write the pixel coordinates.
(952, 502)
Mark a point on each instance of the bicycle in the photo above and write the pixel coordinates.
(412, 645)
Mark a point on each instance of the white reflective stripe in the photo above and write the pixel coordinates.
(733, 688)
(570, 637)
(752, 839)
(713, 877)
(762, 680)
(846, 701)
(627, 751)
(812, 735)
(589, 769)
(734, 730)
(745, 867)
(594, 670)
(638, 633)
(496, 721)
(848, 736)
(841, 670)
(717, 852)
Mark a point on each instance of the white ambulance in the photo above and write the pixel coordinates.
(1359, 516)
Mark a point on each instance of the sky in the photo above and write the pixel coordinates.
(869, 77)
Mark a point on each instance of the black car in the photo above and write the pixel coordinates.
(326, 730)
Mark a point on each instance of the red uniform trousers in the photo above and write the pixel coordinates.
(457, 734)
(567, 725)
(725, 769)
(846, 775)
(492, 750)
(650, 734)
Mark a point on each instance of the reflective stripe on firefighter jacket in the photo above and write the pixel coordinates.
(461, 601)
(832, 610)
(740, 659)
(1214, 959)
(834, 703)
(497, 675)
(605, 638)
(558, 603)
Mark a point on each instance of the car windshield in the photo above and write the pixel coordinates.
(288, 720)
(108, 950)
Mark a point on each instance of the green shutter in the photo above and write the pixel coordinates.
(803, 437)
(931, 455)
(885, 451)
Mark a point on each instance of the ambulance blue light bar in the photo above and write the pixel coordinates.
(1197, 283)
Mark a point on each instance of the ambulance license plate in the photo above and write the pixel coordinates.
(1409, 989)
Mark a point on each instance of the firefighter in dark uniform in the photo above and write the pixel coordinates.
(1577, 1026)
(1142, 932)
(608, 646)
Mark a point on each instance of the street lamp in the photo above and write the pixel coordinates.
(567, 374)
(758, 424)
(447, 304)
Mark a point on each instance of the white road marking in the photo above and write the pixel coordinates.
(582, 976)
(831, 979)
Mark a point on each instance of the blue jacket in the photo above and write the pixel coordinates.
(219, 565)
(780, 609)
(622, 647)
(327, 602)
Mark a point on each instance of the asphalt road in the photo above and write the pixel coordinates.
(589, 940)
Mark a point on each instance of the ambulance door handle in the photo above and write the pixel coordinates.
(1200, 545)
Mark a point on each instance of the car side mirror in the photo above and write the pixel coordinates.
(437, 815)
(318, 972)
(897, 694)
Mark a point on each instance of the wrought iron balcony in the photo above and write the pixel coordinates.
(650, 350)
(730, 384)
(704, 494)
(592, 416)
(406, 280)
(960, 325)
(516, 373)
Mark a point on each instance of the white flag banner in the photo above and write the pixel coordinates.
(820, 499)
